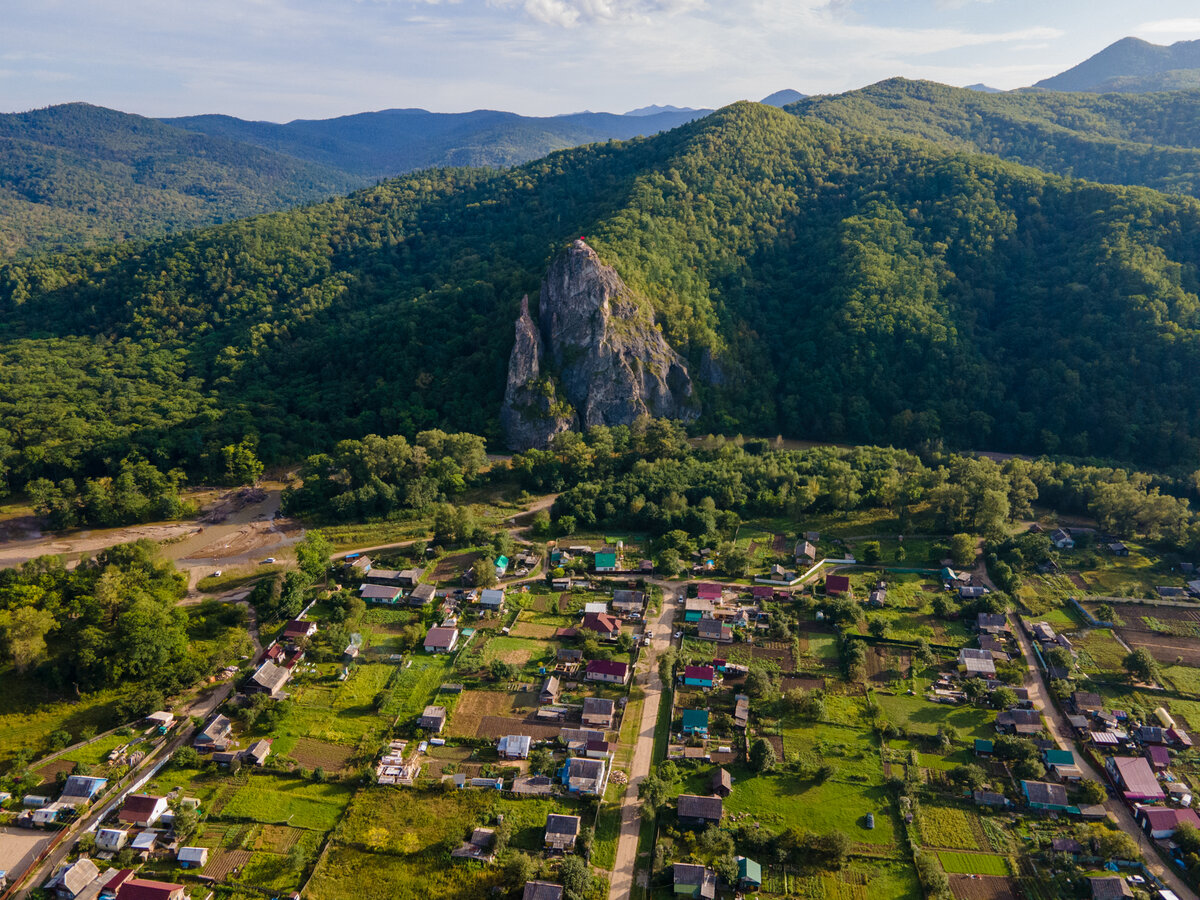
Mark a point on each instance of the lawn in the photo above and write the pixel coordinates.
(916, 714)
(416, 684)
(1100, 651)
(289, 801)
(948, 827)
(30, 711)
(973, 864)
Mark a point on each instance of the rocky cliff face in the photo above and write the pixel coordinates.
(595, 357)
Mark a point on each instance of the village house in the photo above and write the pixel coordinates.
(569, 654)
(697, 608)
(991, 623)
(256, 754)
(1062, 540)
(514, 746)
(1045, 795)
(192, 857)
(1158, 757)
(804, 553)
(441, 639)
(478, 847)
(1109, 887)
(584, 776)
(268, 679)
(698, 676)
(1062, 764)
(608, 671)
(976, 663)
(990, 799)
(606, 626)
(1019, 721)
(741, 710)
(605, 561)
(696, 810)
(561, 833)
(1086, 703)
(598, 712)
(551, 688)
(492, 599)
(1161, 822)
(380, 593)
(542, 890)
(433, 719)
(694, 881)
(215, 735)
(1135, 778)
(598, 749)
(714, 630)
(422, 595)
(596, 606)
(837, 585)
(533, 785)
(111, 840)
(74, 880)
(80, 789)
(721, 783)
(695, 721)
(710, 591)
(299, 629)
(749, 874)
(142, 810)
(629, 602)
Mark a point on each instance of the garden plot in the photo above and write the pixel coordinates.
(960, 863)
(1167, 649)
(982, 887)
(277, 838)
(474, 706)
(451, 568)
(288, 801)
(949, 828)
(888, 664)
(314, 754)
(223, 864)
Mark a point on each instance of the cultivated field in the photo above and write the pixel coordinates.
(973, 863)
(981, 887)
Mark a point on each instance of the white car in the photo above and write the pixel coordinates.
(679, 634)
(267, 561)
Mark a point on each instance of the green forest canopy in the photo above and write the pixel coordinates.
(823, 283)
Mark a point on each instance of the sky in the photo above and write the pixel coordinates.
(279, 60)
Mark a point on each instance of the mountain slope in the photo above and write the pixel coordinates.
(1147, 139)
(819, 283)
(1132, 65)
(78, 174)
(394, 141)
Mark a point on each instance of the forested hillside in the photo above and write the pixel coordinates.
(386, 143)
(822, 283)
(79, 174)
(1146, 139)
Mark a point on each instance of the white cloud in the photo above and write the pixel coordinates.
(1169, 28)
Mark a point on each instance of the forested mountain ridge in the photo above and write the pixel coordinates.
(821, 283)
(78, 174)
(1147, 139)
(392, 141)
(1132, 65)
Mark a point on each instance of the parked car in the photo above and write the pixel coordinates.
(267, 561)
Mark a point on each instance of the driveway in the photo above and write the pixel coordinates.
(1060, 730)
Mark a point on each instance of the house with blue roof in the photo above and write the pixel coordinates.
(695, 721)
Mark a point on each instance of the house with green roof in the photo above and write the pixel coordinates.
(606, 562)
(695, 721)
(749, 874)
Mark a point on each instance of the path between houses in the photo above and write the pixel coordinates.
(625, 867)
(1061, 731)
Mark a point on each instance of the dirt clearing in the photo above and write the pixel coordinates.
(982, 887)
(312, 754)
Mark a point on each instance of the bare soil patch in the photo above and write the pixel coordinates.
(778, 543)
(982, 887)
(223, 864)
(277, 838)
(312, 753)
(514, 657)
(931, 588)
(887, 663)
(49, 772)
(453, 567)
(805, 684)
(564, 603)
(1165, 648)
(779, 651)
(499, 726)
(474, 706)
(1078, 581)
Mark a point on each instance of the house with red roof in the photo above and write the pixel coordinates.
(606, 626)
(698, 676)
(1135, 778)
(143, 889)
(836, 585)
(706, 590)
(1162, 822)
(607, 670)
(142, 810)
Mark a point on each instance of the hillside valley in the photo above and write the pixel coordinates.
(819, 283)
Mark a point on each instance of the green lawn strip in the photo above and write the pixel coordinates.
(289, 801)
(608, 828)
(960, 863)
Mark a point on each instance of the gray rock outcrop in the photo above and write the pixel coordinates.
(595, 357)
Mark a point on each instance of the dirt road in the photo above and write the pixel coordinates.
(1060, 730)
(643, 755)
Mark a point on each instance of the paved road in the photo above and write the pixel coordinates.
(1060, 730)
(643, 755)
